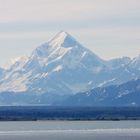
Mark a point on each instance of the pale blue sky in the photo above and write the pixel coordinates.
(110, 28)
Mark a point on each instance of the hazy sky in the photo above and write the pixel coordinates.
(111, 28)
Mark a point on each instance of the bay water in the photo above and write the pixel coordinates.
(70, 130)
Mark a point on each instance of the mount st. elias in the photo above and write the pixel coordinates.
(61, 68)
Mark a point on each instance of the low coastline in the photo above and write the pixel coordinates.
(48, 113)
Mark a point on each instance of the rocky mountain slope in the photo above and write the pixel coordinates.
(126, 94)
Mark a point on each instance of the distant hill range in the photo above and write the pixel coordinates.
(127, 94)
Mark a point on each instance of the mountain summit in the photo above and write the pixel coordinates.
(59, 45)
(63, 39)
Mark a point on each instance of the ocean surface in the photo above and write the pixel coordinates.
(70, 130)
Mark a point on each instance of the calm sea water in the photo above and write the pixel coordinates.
(70, 130)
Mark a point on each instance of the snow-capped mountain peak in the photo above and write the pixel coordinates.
(59, 45)
(62, 59)
(63, 48)
(63, 39)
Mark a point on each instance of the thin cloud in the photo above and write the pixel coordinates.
(53, 10)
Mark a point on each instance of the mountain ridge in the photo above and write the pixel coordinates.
(63, 67)
(126, 94)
